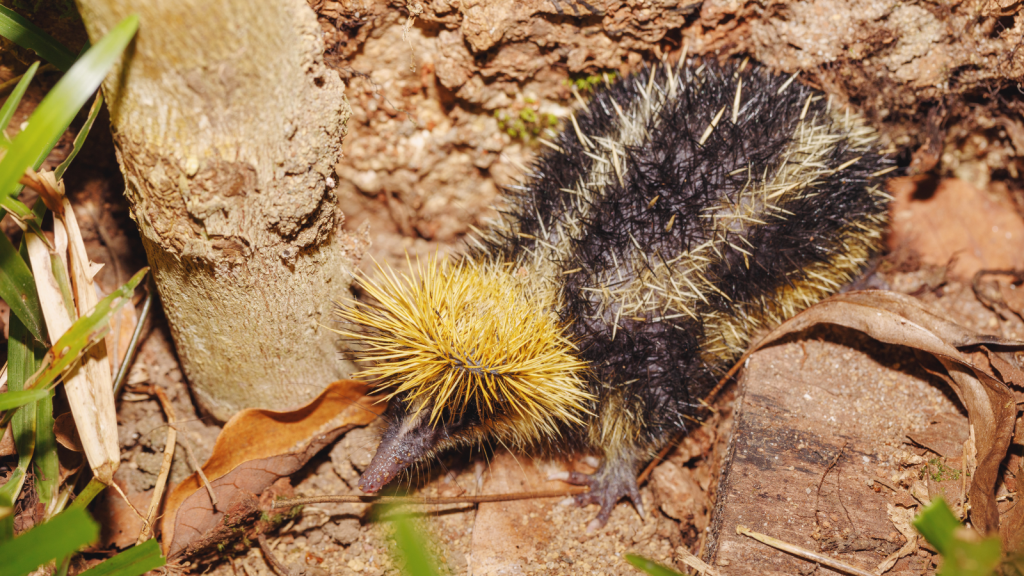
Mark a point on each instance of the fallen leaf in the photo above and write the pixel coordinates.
(254, 450)
(122, 325)
(119, 525)
(896, 318)
(1008, 368)
(1013, 528)
(1000, 291)
(66, 433)
(7, 443)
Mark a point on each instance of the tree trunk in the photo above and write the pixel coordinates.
(228, 127)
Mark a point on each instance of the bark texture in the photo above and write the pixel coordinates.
(227, 126)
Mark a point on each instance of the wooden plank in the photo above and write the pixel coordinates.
(821, 427)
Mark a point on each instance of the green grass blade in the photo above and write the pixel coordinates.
(53, 115)
(413, 549)
(85, 497)
(11, 105)
(97, 105)
(649, 566)
(62, 535)
(60, 274)
(18, 289)
(45, 462)
(8, 494)
(47, 467)
(134, 561)
(21, 364)
(16, 207)
(19, 30)
(10, 400)
(85, 332)
(6, 522)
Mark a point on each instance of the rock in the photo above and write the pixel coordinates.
(345, 531)
(353, 453)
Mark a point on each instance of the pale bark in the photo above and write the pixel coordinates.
(228, 127)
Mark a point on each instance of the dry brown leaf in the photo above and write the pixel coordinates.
(65, 432)
(679, 495)
(1013, 524)
(120, 526)
(895, 318)
(122, 325)
(945, 435)
(7, 443)
(255, 449)
(1006, 367)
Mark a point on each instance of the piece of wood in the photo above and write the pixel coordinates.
(821, 430)
(228, 126)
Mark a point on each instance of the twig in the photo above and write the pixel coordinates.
(133, 344)
(657, 460)
(710, 396)
(692, 561)
(271, 559)
(817, 495)
(804, 553)
(839, 487)
(365, 499)
(165, 466)
(10, 84)
(123, 497)
(195, 466)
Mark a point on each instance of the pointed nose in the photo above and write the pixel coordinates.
(386, 464)
(400, 447)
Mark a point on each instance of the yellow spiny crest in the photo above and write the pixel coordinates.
(470, 334)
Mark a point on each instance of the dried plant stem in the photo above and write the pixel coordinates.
(804, 553)
(271, 559)
(124, 497)
(657, 460)
(133, 344)
(165, 466)
(355, 498)
(199, 469)
(684, 555)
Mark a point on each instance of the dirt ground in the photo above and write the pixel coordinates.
(437, 89)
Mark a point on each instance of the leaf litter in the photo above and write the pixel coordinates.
(255, 449)
(898, 319)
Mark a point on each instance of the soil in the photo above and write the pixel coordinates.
(435, 89)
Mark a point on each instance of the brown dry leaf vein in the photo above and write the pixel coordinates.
(895, 318)
(255, 449)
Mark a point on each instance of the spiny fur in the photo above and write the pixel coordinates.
(680, 211)
(467, 336)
